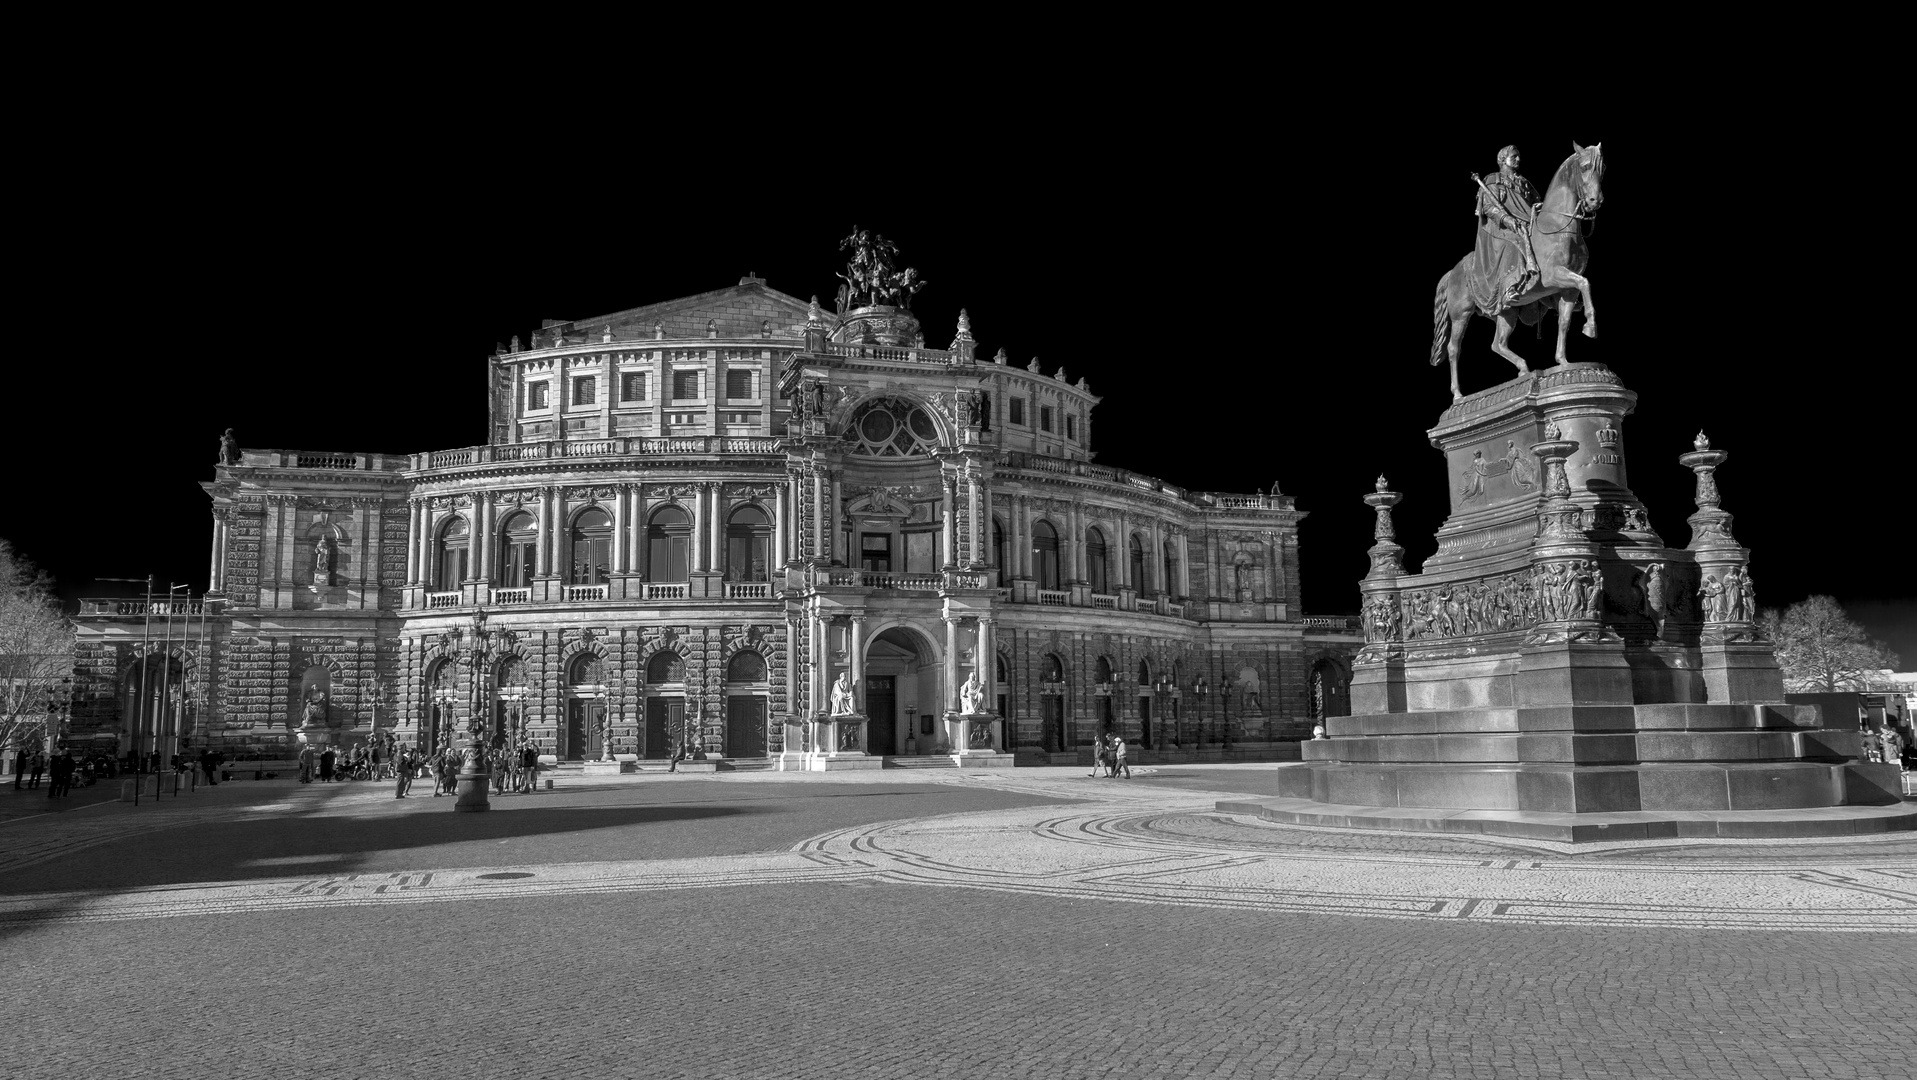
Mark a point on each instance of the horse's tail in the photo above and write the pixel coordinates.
(1440, 323)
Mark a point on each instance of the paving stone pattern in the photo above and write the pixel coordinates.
(1054, 926)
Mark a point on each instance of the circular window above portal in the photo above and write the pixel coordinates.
(891, 427)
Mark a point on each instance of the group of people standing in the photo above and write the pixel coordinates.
(517, 770)
(1109, 751)
(58, 770)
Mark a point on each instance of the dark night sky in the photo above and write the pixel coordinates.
(1246, 281)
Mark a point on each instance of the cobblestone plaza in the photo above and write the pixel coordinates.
(1030, 922)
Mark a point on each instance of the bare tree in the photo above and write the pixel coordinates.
(1821, 648)
(36, 650)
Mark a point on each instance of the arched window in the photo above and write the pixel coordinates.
(586, 670)
(1144, 675)
(999, 553)
(1098, 562)
(1138, 565)
(454, 547)
(889, 427)
(668, 542)
(519, 550)
(748, 545)
(745, 666)
(1054, 668)
(665, 667)
(591, 548)
(1045, 554)
(1104, 670)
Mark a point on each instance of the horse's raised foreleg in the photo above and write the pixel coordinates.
(1505, 326)
(1567, 303)
(1565, 278)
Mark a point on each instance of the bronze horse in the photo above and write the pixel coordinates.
(1572, 198)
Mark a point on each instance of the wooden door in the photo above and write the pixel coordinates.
(881, 712)
(745, 726)
(658, 737)
(1145, 721)
(575, 730)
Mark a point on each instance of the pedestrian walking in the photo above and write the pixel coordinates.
(529, 768)
(1118, 757)
(405, 771)
(38, 767)
(20, 759)
(1099, 752)
(327, 759)
(60, 776)
(306, 764)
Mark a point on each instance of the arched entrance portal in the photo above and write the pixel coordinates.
(901, 681)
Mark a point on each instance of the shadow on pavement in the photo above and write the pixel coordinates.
(294, 845)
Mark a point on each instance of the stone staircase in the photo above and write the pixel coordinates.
(934, 761)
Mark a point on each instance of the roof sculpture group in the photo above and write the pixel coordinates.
(872, 277)
(1528, 250)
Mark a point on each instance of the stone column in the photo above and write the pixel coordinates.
(821, 664)
(949, 526)
(412, 541)
(779, 555)
(483, 541)
(542, 558)
(948, 694)
(219, 549)
(856, 650)
(608, 394)
(792, 709)
(1155, 570)
(987, 655)
(1184, 565)
(833, 541)
(426, 543)
(815, 541)
(559, 553)
(716, 534)
(621, 519)
(981, 536)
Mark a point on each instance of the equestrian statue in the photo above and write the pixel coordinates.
(1528, 251)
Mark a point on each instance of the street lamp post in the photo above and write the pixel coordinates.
(1226, 697)
(474, 774)
(1202, 690)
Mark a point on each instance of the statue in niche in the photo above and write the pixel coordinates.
(1249, 686)
(1710, 595)
(314, 713)
(324, 555)
(229, 449)
(972, 696)
(1242, 571)
(842, 703)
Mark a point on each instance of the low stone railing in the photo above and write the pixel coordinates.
(562, 449)
(575, 593)
(442, 599)
(512, 596)
(666, 590)
(748, 590)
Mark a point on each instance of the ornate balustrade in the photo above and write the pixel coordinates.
(142, 607)
(748, 590)
(1337, 622)
(1056, 597)
(563, 449)
(901, 582)
(512, 596)
(896, 354)
(442, 599)
(1105, 600)
(575, 593)
(666, 590)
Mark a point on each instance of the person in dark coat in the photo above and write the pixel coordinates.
(20, 760)
(327, 758)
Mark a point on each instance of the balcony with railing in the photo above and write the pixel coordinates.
(748, 590)
(443, 599)
(1105, 600)
(574, 594)
(670, 446)
(667, 590)
(512, 596)
(1055, 597)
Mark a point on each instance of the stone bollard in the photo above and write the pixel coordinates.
(548, 783)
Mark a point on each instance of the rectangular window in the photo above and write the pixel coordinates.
(666, 552)
(684, 419)
(536, 395)
(632, 386)
(1018, 410)
(875, 552)
(1044, 418)
(1071, 426)
(585, 390)
(738, 384)
(685, 386)
(739, 418)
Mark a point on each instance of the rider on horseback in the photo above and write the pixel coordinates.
(1506, 204)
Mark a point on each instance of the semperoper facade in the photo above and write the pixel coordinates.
(743, 524)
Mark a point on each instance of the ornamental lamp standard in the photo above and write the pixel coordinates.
(1202, 690)
(474, 775)
(1226, 698)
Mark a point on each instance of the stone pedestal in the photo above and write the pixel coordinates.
(473, 779)
(839, 744)
(1556, 658)
(974, 738)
